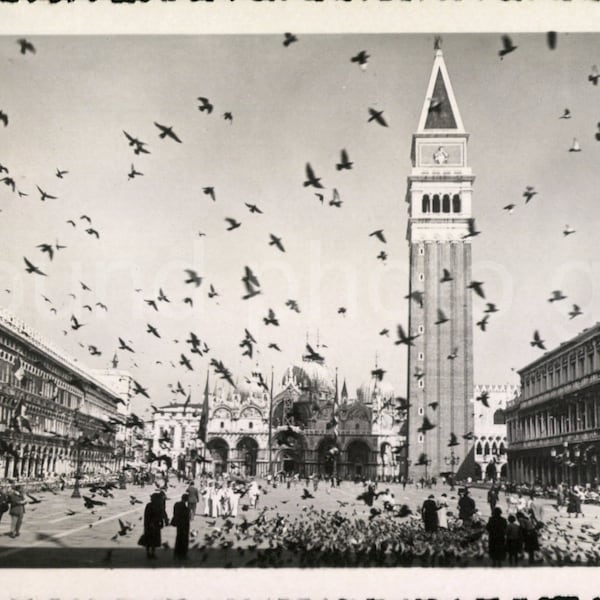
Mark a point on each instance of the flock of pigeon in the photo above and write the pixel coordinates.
(251, 286)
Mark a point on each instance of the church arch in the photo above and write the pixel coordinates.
(486, 449)
(219, 452)
(358, 458)
(435, 204)
(478, 448)
(327, 456)
(247, 449)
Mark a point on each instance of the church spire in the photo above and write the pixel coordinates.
(440, 110)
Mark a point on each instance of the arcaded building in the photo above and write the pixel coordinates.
(554, 425)
(54, 413)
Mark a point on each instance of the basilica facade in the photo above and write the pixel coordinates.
(308, 425)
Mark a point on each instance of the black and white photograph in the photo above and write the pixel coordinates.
(300, 300)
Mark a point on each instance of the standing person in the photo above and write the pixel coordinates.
(4, 503)
(466, 508)
(496, 528)
(492, 498)
(209, 496)
(574, 502)
(514, 540)
(215, 507)
(429, 513)
(529, 535)
(193, 498)
(153, 523)
(443, 512)
(17, 503)
(181, 521)
(235, 494)
(254, 493)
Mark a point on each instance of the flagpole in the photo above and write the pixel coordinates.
(205, 406)
(270, 425)
(335, 429)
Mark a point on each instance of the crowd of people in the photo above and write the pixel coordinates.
(445, 530)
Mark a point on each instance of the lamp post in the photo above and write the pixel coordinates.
(76, 493)
(452, 461)
(566, 457)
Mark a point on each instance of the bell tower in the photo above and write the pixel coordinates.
(439, 233)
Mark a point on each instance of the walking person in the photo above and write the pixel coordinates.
(17, 503)
(496, 528)
(181, 521)
(492, 498)
(429, 513)
(153, 523)
(193, 498)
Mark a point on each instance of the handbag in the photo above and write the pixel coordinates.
(142, 540)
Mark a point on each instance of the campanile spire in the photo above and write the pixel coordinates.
(439, 205)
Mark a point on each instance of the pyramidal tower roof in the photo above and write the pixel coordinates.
(440, 110)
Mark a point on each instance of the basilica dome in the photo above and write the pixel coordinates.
(311, 375)
(372, 387)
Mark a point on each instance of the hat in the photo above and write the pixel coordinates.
(431, 496)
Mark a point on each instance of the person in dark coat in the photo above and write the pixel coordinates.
(514, 540)
(193, 498)
(181, 520)
(530, 536)
(17, 510)
(429, 513)
(496, 528)
(574, 502)
(466, 508)
(492, 498)
(153, 523)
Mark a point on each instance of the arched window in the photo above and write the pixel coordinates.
(446, 203)
(486, 449)
(499, 417)
(436, 203)
(456, 203)
(425, 203)
(494, 448)
(478, 448)
(502, 448)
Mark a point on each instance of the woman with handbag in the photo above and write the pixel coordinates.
(153, 523)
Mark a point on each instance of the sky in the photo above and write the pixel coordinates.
(69, 103)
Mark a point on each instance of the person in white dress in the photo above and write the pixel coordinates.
(207, 495)
(443, 512)
(253, 494)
